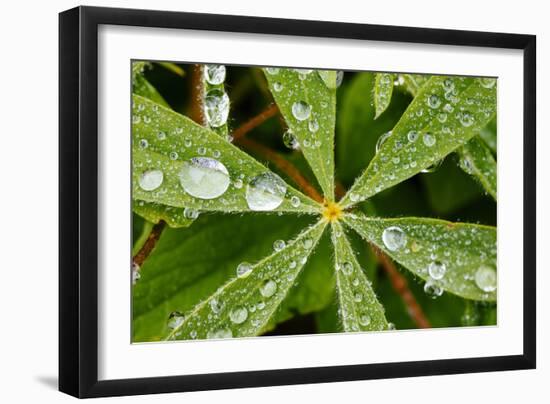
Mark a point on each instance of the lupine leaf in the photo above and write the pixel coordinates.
(359, 308)
(154, 213)
(244, 305)
(383, 89)
(221, 174)
(476, 159)
(142, 87)
(413, 82)
(174, 68)
(446, 113)
(464, 253)
(308, 105)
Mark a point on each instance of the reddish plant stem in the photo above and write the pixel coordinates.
(400, 285)
(149, 244)
(196, 112)
(263, 116)
(284, 165)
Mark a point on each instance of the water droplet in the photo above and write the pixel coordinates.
(216, 305)
(216, 154)
(272, 70)
(442, 117)
(136, 119)
(175, 320)
(339, 78)
(432, 289)
(151, 180)
(364, 319)
(448, 85)
(307, 243)
(437, 270)
(465, 118)
(381, 140)
(173, 155)
(219, 334)
(295, 201)
(238, 315)
(313, 125)
(143, 144)
(292, 264)
(214, 74)
(265, 192)
(488, 82)
(290, 140)
(466, 165)
(304, 72)
(190, 213)
(486, 278)
(201, 150)
(412, 136)
(216, 108)
(146, 119)
(135, 273)
(188, 143)
(204, 177)
(269, 288)
(161, 135)
(244, 269)
(394, 238)
(301, 110)
(277, 86)
(391, 327)
(358, 297)
(433, 167)
(434, 101)
(347, 268)
(428, 139)
(238, 183)
(278, 245)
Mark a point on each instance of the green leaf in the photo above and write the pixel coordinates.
(360, 310)
(228, 312)
(464, 253)
(477, 160)
(489, 135)
(446, 113)
(142, 87)
(166, 142)
(309, 108)
(383, 90)
(174, 68)
(154, 213)
(413, 82)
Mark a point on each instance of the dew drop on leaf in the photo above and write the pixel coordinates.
(412, 136)
(434, 101)
(238, 315)
(432, 289)
(278, 245)
(437, 270)
(190, 213)
(347, 268)
(381, 140)
(488, 82)
(364, 319)
(268, 288)
(175, 319)
(216, 108)
(135, 273)
(204, 178)
(219, 334)
(277, 86)
(143, 144)
(216, 305)
(295, 201)
(290, 140)
(214, 74)
(313, 125)
(428, 139)
(150, 180)
(244, 269)
(465, 118)
(486, 278)
(173, 155)
(301, 110)
(272, 70)
(265, 192)
(394, 238)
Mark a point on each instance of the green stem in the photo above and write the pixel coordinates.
(138, 244)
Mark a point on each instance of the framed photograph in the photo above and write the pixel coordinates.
(252, 201)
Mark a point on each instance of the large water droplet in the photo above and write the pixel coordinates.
(437, 270)
(219, 334)
(290, 140)
(465, 118)
(269, 288)
(244, 269)
(190, 213)
(216, 108)
(204, 178)
(238, 315)
(301, 110)
(432, 289)
(214, 74)
(394, 238)
(265, 192)
(412, 136)
(175, 320)
(151, 180)
(434, 101)
(486, 278)
(216, 305)
(428, 139)
(278, 245)
(381, 140)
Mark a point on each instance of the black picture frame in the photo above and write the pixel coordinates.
(78, 196)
